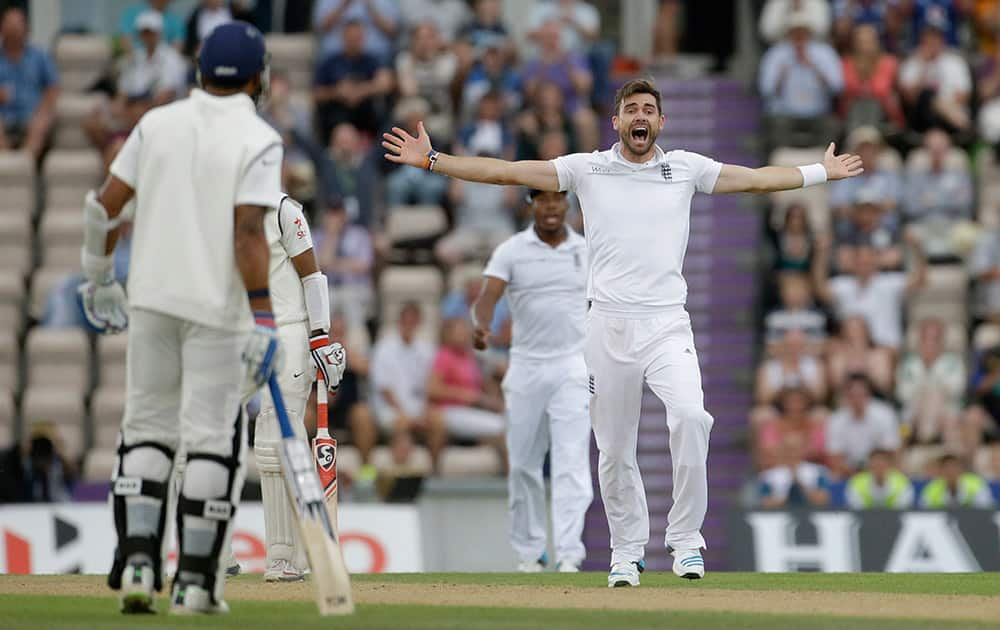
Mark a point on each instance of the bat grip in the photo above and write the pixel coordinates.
(279, 408)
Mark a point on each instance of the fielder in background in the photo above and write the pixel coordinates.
(544, 271)
(301, 302)
(204, 171)
(636, 202)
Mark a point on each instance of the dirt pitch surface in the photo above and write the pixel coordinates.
(446, 592)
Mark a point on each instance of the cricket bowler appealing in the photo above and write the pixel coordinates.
(636, 202)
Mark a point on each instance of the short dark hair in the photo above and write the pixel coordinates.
(638, 86)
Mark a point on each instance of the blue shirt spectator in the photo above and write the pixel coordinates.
(173, 26)
(941, 13)
(458, 303)
(491, 74)
(487, 25)
(800, 77)
(24, 80)
(379, 17)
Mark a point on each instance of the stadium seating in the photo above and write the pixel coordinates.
(15, 242)
(81, 59)
(17, 180)
(8, 359)
(422, 284)
(294, 54)
(58, 359)
(68, 175)
(71, 109)
(8, 415)
(419, 463)
(43, 281)
(470, 461)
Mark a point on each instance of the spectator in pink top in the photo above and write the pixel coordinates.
(870, 96)
(456, 386)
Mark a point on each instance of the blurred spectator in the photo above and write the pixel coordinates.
(794, 482)
(488, 133)
(884, 15)
(870, 96)
(29, 86)
(935, 82)
(547, 113)
(861, 425)
(345, 254)
(211, 13)
(879, 176)
(668, 31)
(351, 85)
(486, 28)
(426, 70)
(491, 72)
(349, 169)
(794, 241)
(982, 420)
(110, 123)
(930, 384)
(406, 185)
(579, 22)
(938, 200)
(349, 408)
(128, 33)
(378, 20)
(571, 74)
(457, 387)
(799, 78)
(153, 66)
(483, 220)
(791, 366)
(37, 472)
(881, 487)
(869, 225)
(797, 312)
(458, 303)
(447, 16)
(876, 296)
(400, 366)
(985, 268)
(988, 92)
(945, 15)
(985, 26)
(774, 17)
(303, 155)
(794, 412)
(852, 352)
(955, 488)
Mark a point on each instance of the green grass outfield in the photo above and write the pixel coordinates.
(530, 601)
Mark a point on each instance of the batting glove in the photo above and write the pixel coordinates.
(262, 353)
(330, 359)
(105, 305)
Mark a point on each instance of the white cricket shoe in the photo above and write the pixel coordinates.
(567, 567)
(688, 563)
(191, 599)
(534, 566)
(283, 571)
(137, 590)
(625, 573)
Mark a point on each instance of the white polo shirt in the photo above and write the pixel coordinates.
(288, 236)
(637, 218)
(190, 164)
(546, 287)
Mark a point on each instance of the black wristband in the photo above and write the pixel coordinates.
(258, 293)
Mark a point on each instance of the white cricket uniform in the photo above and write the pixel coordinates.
(637, 220)
(547, 376)
(288, 236)
(190, 163)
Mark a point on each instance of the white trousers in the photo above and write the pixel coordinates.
(548, 409)
(622, 351)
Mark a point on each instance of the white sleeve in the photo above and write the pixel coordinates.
(569, 168)
(834, 438)
(261, 183)
(126, 164)
(890, 439)
(704, 171)
(501, 263)
(293, 227)
(909, 72)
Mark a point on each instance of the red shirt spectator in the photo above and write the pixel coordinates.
(870, 73)
(458, 369)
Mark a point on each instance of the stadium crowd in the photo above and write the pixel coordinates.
(880, 368)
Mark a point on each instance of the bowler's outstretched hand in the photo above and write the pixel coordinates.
(405, 149)
(841, 166)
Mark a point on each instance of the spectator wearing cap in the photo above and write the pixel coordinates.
(405, 185)
(427, 69)
(870, 95)
(879, 176)
(128, 32)
(939, 200)
(860, 426)
(881, 486)
(955, 487)
(930, 384)
(378, 20)
(345, 254)
(935, 82)
(29, 87)
(579, 22)
(869, 225)
(772, 19)
(793, 481)
(154, 66)
(352, 85)
(985, 269)
(799, 78)
(448, 16)
(209, 14)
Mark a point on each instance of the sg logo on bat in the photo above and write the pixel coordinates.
(326, 456)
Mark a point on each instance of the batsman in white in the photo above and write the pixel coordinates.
(543, 269)
(204, 172)
(636, 202)
(301, 300)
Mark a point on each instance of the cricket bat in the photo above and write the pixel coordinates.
(325, 452)
(329, 573)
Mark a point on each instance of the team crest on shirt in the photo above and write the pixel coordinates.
(665, 172)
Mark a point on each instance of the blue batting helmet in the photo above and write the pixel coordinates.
(232, 54)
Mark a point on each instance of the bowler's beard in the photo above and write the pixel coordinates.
(625, 137)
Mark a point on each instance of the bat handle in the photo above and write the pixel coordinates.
(322, 409)
(279, 408)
